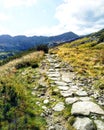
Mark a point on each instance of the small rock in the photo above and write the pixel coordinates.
(59, 106)
(51, 128)
(59, 127)
(44, 107)
(99, 124)
(46, 101)
(102, 117)
(42, 115)
(33, 93)
(37, 103)
(83, 124)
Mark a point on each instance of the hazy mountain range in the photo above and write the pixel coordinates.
(21, 42)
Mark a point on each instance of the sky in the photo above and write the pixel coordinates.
(50, 17)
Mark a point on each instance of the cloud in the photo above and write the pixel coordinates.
(45, 31)
(4, 30)
(4, 17)
(81, 16)
(16, 3)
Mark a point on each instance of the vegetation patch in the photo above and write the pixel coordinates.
(18, 109)
(86, 56)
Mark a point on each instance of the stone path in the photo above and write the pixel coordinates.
(65, 90)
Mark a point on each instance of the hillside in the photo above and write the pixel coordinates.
(59, 90)
(86, 56)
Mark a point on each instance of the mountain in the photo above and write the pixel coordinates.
(21, 42)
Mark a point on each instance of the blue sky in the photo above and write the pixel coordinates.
(50, 17)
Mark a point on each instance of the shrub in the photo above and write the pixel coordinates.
(42, 47)
(101, 39)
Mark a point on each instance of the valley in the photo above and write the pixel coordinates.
(59, 90)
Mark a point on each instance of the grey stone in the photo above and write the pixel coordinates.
(44, 107)
(51, 128)
(66, 93)
(65, 77)
(83, 124)
(59, 127)
(71, 100)
(55, 78)
(99, 124)
(61, 83)
(85, 98)
(81, 93)
(59, 106)
(33, 93)
(85, 108)
(46, 101)
(54, 74)
(63, 87)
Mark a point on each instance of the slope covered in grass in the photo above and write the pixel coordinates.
(18, 109)
(86, 56)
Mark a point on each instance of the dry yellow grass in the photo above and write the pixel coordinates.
(32, 57)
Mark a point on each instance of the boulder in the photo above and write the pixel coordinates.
(99, 124)
(84, 124)
(85, 108)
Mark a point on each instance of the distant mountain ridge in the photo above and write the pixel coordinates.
(22, 42)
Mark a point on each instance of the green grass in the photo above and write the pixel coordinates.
(16, 101)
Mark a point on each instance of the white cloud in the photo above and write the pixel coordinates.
(4, 30)
(45, 31)
(4, 17)
(81, 16)
(16, 3)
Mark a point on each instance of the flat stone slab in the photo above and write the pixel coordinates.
(65, 77)
(59, 106)
(81, 93)
(63, 87)
(72, 91)
(66, 93)
(71, 100)
(55, 78)
(85, 108)
(85, 98)
(55, 74)
(99, 124)
(61, 83)
(83, 124)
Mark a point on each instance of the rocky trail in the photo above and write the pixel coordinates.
(68, 103)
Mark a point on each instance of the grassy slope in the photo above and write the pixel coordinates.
(86, 56)
(18, 109)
